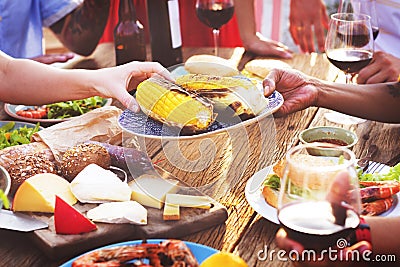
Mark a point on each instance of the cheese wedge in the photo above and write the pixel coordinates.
(97, 185)
(174, 201)
(151, 190)
(119, 212)
(189, 201)
(38, 193)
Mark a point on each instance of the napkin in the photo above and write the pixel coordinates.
(97, 125)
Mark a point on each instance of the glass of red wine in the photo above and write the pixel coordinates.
(214, 14)
(319, 200)
(349, 46)
(361, 7)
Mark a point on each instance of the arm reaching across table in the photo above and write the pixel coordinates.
(378, 102)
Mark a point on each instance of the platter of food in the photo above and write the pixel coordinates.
(265, 204)
(56, 112)
(223, 103)
(193, 252)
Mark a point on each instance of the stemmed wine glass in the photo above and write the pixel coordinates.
(349, 46)
(361, 7)
(319, 200)
(214, 14)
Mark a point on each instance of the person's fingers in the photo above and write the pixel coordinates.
(127, 100)
(339, 188)
(308, 40)
(320, 35)
(367, 72)
(294, 33)
(269, 82)
(152, 68)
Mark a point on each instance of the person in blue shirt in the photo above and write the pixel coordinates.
(78, 24)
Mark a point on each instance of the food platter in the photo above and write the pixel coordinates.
(12, 110)
(141, 125)
(201, 252)
(256, 200)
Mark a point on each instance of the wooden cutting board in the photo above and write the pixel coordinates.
(192, 220)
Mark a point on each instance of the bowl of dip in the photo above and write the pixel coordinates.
(328, 134)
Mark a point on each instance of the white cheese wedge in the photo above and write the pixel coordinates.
(119, 212)
(151, 190)
(189, 201)
(38, 193)
(97, 185)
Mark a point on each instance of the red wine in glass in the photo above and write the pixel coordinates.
(348, 60)
(214, 14)
(375, 32)
(312, 224)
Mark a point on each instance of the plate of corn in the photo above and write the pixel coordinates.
(197, 104)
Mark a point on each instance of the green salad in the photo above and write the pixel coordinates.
(392, 174)
(73, 108)
(12, 137)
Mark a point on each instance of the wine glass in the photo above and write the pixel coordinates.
(349, 46)
(319, 200)
(214, 14)
(361, 7)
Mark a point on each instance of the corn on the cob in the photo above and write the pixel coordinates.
(239, 94)
(168, 103)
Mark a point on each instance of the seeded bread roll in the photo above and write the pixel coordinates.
(78, 157)
(26, 166)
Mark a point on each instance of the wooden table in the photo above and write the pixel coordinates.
(245, 232)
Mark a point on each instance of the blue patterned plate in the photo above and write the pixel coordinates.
(140, 124)
(199, 251)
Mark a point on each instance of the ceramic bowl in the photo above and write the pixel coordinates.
(328, 134)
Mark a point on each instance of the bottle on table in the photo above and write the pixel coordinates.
(165, 31)
(129, 35)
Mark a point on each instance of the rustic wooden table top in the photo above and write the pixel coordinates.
(245, 232)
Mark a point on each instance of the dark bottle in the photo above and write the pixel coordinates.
(165, 31)
(128, 35)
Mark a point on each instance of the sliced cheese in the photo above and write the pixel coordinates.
(171, 212)
(189, 201)
(119, 212)
(38, 193)
(151, 190)
(95, 184)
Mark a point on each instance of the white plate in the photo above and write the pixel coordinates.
(256, 200)
(11, 110)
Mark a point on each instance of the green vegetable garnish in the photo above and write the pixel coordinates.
(4, 200)
(273, 181)
(392, 174)
(12, 137)
(74, 108)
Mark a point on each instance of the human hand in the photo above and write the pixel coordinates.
(53, 58)
(116, 82)
(297, 89)
(384, 67)
(308, 18)
(262, 46)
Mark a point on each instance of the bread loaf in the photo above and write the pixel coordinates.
(210, 65)
(78, 157)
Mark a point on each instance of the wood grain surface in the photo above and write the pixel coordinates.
(244, 232)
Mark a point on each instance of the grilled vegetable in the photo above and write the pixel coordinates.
(168, 103)
(238, 95)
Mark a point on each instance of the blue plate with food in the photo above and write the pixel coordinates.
(137, 252)
(195, 105)
(56, 112)
(14, 133)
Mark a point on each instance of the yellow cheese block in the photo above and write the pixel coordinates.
(151, 190)
(171, 212)
(189, 201)
(38, 193)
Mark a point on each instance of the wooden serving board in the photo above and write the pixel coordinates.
(192, 220)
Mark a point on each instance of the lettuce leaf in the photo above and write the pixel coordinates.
(393, 174)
